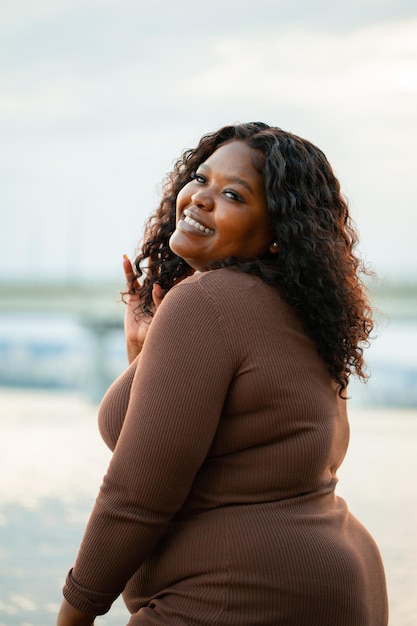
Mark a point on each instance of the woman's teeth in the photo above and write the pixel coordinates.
(189, 220)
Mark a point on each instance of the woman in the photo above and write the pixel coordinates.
(218, 507)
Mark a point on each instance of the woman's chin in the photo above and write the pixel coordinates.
(175, 244)
(179, 245)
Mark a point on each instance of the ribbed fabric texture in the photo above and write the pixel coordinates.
(218, 507)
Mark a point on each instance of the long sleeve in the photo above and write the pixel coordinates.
(177, 396)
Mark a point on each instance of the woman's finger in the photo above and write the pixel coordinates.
(129, 273)
(127, 267)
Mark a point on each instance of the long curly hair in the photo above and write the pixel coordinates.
(316, 268)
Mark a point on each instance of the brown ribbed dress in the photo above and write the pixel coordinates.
(218, 507)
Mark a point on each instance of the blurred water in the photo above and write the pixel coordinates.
(51, 464)
(392, 361)
(50, 351)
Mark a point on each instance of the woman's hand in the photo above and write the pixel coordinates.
(70, 616)
(136, 323)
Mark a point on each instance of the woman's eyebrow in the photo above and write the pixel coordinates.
(231, 179)
(240, 181)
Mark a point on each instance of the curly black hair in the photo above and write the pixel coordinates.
(315, 268)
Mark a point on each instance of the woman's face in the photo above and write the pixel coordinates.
(222, 211)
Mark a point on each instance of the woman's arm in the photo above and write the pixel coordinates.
(176, 401)
(70, 616)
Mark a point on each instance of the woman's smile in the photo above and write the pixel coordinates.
(191, 220)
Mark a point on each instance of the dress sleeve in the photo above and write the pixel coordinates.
(177, 396)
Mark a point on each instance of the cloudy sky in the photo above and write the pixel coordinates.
(99, 97)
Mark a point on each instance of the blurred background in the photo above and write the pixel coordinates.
(97, 100)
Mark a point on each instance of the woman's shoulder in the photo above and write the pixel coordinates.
(230, 288)
(231, 300)
(228, 278)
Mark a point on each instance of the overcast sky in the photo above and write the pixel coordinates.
(99, 97)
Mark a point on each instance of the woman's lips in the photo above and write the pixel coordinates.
(191, 221)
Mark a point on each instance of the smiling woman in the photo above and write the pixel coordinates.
(222, 211)
(245, 319)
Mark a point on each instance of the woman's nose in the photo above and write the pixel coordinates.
(203, 199)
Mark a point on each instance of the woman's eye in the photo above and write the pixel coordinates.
(233, 195)
(199, 178)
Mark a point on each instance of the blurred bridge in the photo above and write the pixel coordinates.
(86, 300)
(100, 304)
